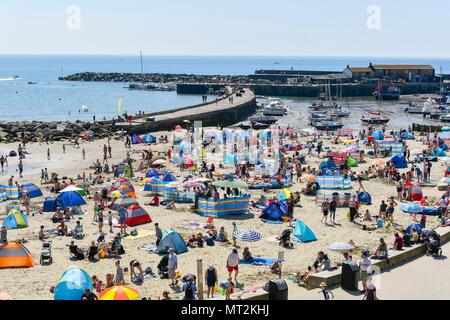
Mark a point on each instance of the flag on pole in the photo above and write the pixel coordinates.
(119, 104)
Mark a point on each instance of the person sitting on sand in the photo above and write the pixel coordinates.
(222, 236)
(247, 255)
(275, 268)
(398, 242)
(381, 252)
(200, 240)
(58, 216)
(136, 277)
(302, 278)
(78, 231)
(41, 234)
(155, 201)
(62, 229)
(367, 216)
(171, 205)
(191, 241)
(75, 251)
(93, 252)
(415, 236)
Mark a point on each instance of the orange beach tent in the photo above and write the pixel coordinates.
(15, 255)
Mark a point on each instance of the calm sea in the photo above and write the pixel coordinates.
(51, 99)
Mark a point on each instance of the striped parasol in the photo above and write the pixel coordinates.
(119, 293)
(247, 235)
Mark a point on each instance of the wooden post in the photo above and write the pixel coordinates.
(200, 278)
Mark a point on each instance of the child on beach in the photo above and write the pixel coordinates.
(327, 294)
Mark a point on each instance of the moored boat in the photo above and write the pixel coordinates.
(375, 118)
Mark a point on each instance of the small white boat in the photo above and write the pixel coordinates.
(84, 109)
(275, 108)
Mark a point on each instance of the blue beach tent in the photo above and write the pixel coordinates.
(72, 285)
(365, 198)
(418, 228)
(148, 138)
(171, 239)
(152, 173)
(303, 233)
(52, 204)
(71, 199)
(274, 211)
(378, 135)
(33, 190)
(399, 162)
(169, 177)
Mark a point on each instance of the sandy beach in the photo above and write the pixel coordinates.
(35, 282)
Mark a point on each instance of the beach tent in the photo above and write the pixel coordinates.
(364, 198)
(415, 208)
(416, 192)
(274, 211)
(418, 228)
(169, 177)
(352, 163)
(407, 135)
(128, 190)
(123, 169)
(378, 135)
(16, 219)
(399, 162)
(439, 152)
(342, 199)
(171, 239)
(334, 182)
(33, 190)
(148, 138)
(71, 199)
(123, 202)
(152, 173)
(73, 284)
(137, 216)
(15, 255)
(52, 204)
(329, 164)
(135, 139)
(303, 233)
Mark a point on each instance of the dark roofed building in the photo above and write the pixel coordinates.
(358, 73)
(408, 73)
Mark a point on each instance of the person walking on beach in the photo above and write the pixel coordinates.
(48, 153)
(76, 143)
(109, 150)
(333, 206)
(20, 169)
(172, 266)
(64, 148)
(158, 233)
(2, 162)
(211, 281)
(325, 210)
(110, 221)
(83, 153)
(235, 230)
(122, 220)
(233, 264)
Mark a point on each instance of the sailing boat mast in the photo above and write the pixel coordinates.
(142, 69)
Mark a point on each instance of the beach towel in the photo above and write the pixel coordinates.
(148, 247)
(260, 261)
(141, 233)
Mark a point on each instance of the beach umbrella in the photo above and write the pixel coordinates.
(284, 194)
(146, 180)
(82, 192)
(33, 190)
(71, 189)
(340, 246)
(159, 162)
(119, 293)
(231, 184)
(309, 178)
(71, 199)
(124, 189)
(247, 235)
(115, 194)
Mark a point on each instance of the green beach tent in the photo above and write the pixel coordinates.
(352, 163)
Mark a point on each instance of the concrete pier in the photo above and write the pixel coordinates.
(223, 111)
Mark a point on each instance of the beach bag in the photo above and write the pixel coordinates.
(134, 232)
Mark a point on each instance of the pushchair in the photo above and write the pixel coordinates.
(163, 269)
(433, 244)
(285, 239)
(46, 253)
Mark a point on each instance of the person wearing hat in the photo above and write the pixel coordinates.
(211, 280)
(365, 266)
(172, 266)
(327, 294)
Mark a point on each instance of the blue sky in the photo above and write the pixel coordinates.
(234, 27)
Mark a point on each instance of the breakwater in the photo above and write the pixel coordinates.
(203, 84)
(226, 110)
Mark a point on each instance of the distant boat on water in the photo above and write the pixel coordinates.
(14, 77)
